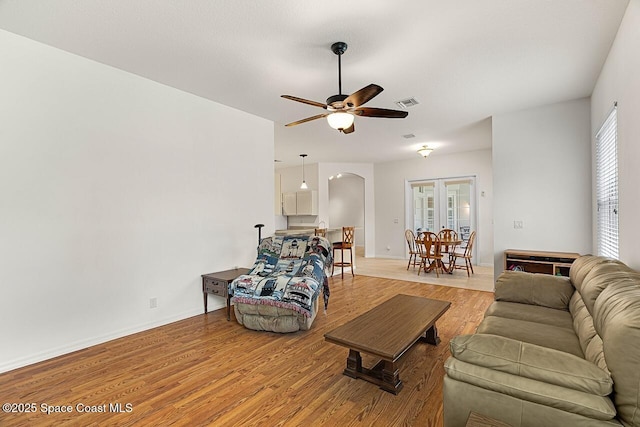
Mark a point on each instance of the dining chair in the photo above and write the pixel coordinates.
(322, 232)
(430, 253)
(450, 235)
(466, 255)
(348, 234)
(413, 250)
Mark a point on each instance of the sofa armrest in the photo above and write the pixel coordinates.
(542, 393)
(532, 361)
(534, 289)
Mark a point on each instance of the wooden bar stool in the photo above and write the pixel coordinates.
(322, 232)
(346, 243)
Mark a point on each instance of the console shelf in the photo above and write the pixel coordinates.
(556, 263)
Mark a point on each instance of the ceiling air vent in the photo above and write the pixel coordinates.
(408, 136)
(406, 103)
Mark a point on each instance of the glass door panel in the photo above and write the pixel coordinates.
(444, 203)
(424, 206)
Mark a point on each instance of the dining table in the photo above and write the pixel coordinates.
(447, 246)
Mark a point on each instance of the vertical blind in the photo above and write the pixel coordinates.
(607, 186)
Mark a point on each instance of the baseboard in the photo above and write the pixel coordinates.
(390, 257)
(82, 344)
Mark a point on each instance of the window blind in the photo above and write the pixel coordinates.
(607, 186)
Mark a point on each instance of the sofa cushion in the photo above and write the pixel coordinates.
(617, 321)
(531, 361)
(583, 266)
(531, 313)
(535, 289)
(590, 342)
(550, 336)
(599, 278)
(574, 401)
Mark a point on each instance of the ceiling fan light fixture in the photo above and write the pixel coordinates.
(425, 151)
(340, 120)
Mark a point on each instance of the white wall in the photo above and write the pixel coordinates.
(620, 81)
(390, 178)
(114, 190)
(346, 204)
(542, 176)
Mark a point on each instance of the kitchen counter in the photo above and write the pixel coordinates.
(303, 231)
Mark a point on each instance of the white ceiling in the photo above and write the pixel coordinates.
(463, 60)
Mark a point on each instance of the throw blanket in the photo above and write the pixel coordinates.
(289, 273)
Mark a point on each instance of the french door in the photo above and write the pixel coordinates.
(442, 203)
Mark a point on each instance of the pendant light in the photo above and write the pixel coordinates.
(303, 186)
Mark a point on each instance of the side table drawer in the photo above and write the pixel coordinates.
(215, 287)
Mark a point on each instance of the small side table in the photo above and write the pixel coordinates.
(218, 284)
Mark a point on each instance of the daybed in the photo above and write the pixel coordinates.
(280, 293)
(552, 351)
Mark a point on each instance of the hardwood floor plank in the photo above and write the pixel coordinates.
(207, 371)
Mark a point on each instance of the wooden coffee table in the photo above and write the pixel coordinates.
(388, 331)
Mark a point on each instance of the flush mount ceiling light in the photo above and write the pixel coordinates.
(303, 186)
(425, 151)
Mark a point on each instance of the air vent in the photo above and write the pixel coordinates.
(408, 136)
(406, 103)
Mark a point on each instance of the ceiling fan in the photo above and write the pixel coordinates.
(342, 109)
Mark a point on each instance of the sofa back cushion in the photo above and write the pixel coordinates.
(536, 289)
(617, 322)
(599, 278)
(590, 342)
(582, 266)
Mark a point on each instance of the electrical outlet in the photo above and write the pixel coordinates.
(517, 224)
(153, 302)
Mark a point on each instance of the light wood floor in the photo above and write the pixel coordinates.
(481, 279)
(207, 371)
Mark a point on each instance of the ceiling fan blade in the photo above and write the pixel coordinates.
(308, 119)
(350, 129)
(305, 101)
(365, 94)
(380, 112)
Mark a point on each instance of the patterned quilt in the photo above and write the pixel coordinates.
(289, 272)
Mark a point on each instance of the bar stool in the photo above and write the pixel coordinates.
(346, 243)
(322, 232)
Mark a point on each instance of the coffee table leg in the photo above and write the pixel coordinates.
(431, 336)
(354, 364)
(391, 378)
(385, 374)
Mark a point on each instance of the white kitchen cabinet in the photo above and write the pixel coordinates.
(289, 204)
(307, 202)
(300, 203)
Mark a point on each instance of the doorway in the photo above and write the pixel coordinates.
(442, 203)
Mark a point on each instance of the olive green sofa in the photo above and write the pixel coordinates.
(552, 351)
